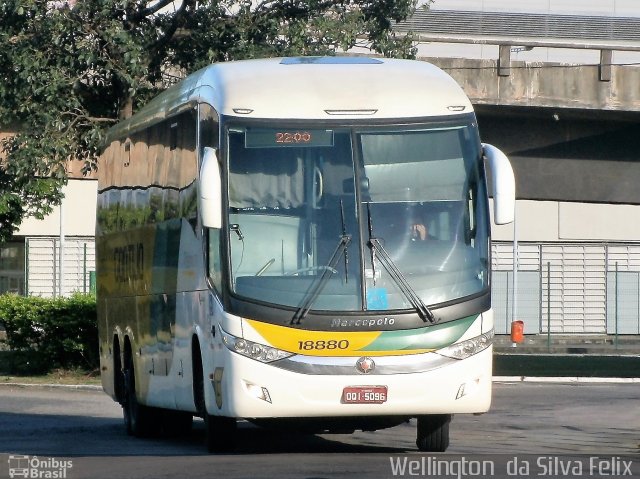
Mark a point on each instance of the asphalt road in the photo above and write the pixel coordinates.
(533, 430)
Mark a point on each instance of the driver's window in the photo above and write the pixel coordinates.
(209, 137)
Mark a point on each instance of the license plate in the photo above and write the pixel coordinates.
(364, 395)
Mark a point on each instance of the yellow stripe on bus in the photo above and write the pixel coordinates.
(323, 343)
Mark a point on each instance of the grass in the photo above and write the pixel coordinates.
(57, 376)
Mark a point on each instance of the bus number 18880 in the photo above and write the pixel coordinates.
(321, 344)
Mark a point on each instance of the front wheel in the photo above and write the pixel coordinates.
(220, 433)
(433, 433)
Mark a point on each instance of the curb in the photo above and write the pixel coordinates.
(565, 366)
(78, 387)
(564, 379)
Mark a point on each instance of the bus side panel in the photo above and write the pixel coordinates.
(168, 319)
(191, 314)
(159, 325)
(148, 254)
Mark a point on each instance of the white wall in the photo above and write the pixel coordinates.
(79, 213)
(551, 221)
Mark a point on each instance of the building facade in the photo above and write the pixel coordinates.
(54, 256)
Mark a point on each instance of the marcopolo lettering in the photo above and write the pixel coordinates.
(362, 323)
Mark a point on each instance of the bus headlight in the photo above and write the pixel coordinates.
(465, 349)
(257, 351)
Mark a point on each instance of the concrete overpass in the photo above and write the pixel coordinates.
(502, 80)
(549, 116)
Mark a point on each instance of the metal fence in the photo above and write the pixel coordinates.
(49, 273)
(568, 288)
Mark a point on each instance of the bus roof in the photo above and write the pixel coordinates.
(316, 88)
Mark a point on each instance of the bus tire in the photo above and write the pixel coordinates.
(220, 433)
(139, 420)
(433, 433)
(198, 378)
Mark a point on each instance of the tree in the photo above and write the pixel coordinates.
(69, 69)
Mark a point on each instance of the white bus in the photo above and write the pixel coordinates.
(299, 242)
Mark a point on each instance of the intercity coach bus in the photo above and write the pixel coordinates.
(299, 242)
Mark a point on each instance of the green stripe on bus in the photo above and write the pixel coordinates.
(433, 337)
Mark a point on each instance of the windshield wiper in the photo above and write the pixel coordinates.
(346, 252)
(316, 287)
(377, 250)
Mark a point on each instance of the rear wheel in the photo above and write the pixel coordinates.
(433, 433)
(140, 420)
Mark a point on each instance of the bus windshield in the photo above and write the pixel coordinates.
(357, 219)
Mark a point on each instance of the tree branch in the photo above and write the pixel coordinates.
(177, 22)
(145, 12)
(85, 118)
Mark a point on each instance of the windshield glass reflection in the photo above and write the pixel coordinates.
(295, 194)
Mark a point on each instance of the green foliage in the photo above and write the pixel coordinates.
(47, 333)
(69, 69)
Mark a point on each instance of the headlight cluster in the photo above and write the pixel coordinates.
(469, 347)
(257, 351)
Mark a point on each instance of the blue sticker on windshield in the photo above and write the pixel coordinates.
(377, 298)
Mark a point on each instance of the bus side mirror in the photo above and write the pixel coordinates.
(210, 195)
(504, 185)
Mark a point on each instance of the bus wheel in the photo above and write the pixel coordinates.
(220, 433)
(433, 433)
(138, 419)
